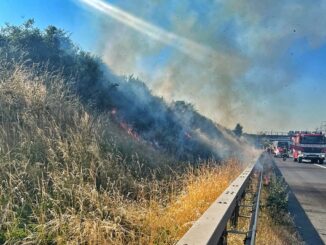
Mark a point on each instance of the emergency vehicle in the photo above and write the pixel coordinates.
(280, 148)
(309, 146)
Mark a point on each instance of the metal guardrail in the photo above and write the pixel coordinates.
(211, 226)
(251, 237)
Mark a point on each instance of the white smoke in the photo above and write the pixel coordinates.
(186, 46)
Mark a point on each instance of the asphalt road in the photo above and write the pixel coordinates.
(307, 200)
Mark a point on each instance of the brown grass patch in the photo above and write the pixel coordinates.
(70, 177)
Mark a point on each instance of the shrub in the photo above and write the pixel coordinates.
(277, 200)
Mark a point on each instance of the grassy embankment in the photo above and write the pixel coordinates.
(68, 176)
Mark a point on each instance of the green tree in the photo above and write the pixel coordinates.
(238, 130)
(53, 51)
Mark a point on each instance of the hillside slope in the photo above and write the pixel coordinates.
(68, 176)
(176, 128)
(87, 156)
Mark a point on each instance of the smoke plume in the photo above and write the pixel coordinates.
(230, 58)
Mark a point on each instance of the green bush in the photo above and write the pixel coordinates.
(277, 200)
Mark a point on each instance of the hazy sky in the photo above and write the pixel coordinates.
(257, 62)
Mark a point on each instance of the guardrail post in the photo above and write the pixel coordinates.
(235, 215)
(224, 238)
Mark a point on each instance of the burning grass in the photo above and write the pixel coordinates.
(68, 176)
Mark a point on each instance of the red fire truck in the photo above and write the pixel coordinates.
(309, 146)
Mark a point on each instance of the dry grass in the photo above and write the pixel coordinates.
(66, 179)
(274, 227)
(70, 177)
(200, 187)
(277, 228)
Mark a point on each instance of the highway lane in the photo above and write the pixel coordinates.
(307, 183)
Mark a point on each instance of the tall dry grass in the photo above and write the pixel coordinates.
(166, 222)
(271, 233)
(71, 177)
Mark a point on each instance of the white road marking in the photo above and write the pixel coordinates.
(320, 166)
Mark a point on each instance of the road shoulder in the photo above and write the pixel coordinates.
(306, 229)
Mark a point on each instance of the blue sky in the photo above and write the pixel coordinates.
(62, 13)
(268, 67)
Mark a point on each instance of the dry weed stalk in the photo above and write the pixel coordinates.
(64, 179)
